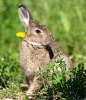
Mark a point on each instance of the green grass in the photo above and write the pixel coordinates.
(64, 18)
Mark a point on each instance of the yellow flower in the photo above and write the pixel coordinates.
(20, 34)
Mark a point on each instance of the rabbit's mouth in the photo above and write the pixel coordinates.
(44, 44)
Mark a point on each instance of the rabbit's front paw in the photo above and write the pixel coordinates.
(29, 94)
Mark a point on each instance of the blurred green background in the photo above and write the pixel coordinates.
(66, 19)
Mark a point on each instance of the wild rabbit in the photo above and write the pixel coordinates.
(37, 49)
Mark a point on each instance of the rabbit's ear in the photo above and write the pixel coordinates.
(25, 16)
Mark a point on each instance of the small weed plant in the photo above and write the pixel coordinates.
(61, 84)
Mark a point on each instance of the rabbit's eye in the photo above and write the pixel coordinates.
(38, 31)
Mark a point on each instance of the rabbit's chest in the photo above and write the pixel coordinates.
(39, 57)
(33, 57)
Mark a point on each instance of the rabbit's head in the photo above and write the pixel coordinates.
(35, 34)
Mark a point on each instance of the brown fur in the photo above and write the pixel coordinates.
(32, 56)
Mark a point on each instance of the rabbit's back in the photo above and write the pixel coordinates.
(62, 54)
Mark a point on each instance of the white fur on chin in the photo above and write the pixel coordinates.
(35, 43)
